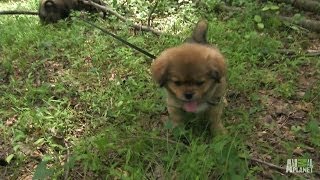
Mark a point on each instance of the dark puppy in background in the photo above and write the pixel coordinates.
(194, 76)
(51, 11)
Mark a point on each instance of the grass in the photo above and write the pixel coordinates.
(75, 103)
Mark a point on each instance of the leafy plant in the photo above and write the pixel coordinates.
(42, 172)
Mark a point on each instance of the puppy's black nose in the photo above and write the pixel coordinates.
(188, 95)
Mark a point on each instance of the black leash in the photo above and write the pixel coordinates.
(17, 12)
(90, 23)
(121, 40)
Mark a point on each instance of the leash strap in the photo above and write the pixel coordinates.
(121, 40)
(13, 12)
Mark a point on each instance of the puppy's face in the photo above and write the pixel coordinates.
(190, 73)
(189, 82)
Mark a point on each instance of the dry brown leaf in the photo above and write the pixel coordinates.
(304, 106)
(298, 151)
(268, 119)
(11, 121)
(112, 77)
(260, 134)
(282, 109)
(159, 172)
(25, 177)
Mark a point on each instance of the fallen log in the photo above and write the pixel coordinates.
(306, 5)
(305, 23)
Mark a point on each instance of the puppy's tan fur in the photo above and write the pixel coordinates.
(194, 76)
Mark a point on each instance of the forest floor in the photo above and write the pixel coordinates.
(77, 104)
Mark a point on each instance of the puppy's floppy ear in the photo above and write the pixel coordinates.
(217, 65)
(159, 69)
(215, 74)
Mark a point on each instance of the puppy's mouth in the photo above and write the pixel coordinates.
(190, 106)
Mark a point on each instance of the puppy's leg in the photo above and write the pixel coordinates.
(216, 126)
(176, 116)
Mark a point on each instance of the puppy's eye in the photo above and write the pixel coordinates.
(199, 83)
(177, 83)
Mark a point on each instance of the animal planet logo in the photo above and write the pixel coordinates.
(299, 166)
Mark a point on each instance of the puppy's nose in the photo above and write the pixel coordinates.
(188, 95)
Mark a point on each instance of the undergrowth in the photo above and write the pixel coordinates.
(76, 103)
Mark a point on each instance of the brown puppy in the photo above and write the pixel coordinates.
(51, 11)
(194, 76)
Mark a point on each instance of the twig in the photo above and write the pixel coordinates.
(231, 10)
(316, 97)
(274, 166)
(3, 173)
(107, 9)
(67, 168)
(293, 53)
(266, 163)
(151, 12)
(288, 52)
(315, 53)
(309, 54)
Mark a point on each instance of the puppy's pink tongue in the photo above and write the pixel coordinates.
(190, 106)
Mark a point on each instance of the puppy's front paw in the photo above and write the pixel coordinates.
(175, 116)
(218, 129)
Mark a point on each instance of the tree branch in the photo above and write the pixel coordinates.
(151, 12)
(282, 169)
(308, 24)
(294, 53)
(107, 9)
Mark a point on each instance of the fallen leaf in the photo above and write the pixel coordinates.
(11, 121)
(300, 94)
(282, 109)
(159, 172)
(298, 115)
(268, 119)
(260, 134)
(298, 151)
(304, 106)
(310, 149)
(112, 77)
(25, 177)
